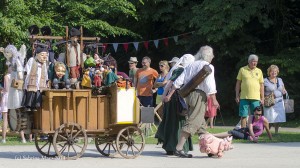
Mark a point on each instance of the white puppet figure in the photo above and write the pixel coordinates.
(15, 61)
(36, 79)
(74, 59)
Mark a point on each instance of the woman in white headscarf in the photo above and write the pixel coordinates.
(169, 129)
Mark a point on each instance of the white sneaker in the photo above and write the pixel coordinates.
(23, 141)
(3, 141)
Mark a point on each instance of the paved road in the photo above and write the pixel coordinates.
(244, 155)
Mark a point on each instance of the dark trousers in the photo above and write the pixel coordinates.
(146, 101)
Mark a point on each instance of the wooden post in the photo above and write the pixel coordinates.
(67, 51)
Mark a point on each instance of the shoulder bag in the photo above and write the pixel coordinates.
(269, 100)
(288, 104)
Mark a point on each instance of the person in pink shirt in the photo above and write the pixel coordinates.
(256, 124)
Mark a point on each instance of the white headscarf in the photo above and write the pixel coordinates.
(184, 61)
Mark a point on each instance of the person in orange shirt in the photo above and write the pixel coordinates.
(145, 78)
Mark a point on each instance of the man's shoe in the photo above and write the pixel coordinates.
(182, 154)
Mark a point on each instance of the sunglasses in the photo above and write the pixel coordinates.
(258, 114)
(258, 108)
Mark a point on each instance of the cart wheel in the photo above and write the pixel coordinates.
(106, 145)
(44, 144)
(130, 142)
(70, 141)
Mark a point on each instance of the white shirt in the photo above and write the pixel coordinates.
(209, 83)
(39, 73)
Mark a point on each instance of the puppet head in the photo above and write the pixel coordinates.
(42, 54)
(10, 51)
(60, 69)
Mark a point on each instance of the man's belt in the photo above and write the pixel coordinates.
(195, 81)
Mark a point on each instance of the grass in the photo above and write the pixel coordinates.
(229, 121)
(282, 137)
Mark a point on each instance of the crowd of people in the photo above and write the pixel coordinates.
(183, 116)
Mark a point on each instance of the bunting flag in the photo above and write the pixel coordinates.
(175, 39)
(115, 45)
(146, 43)
(125, 45)
(104, 47)
(136, 45)
(156, 43)
(166, 41)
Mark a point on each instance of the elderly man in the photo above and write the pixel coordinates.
(196, 100)
(144, 79)
(249, 88)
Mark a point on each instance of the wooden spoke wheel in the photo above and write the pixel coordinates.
(14, 119)
(106, 145)
(44, 144)
(18, 120)
(130, 142)
(70, 141)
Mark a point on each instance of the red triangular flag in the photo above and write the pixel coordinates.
(125, 45)
(166, 41)
(146, 44)
(104, 47)
(185, 35)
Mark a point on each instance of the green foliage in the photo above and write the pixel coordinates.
(18, 15)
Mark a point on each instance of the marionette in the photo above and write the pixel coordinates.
(59, 76)
(15, 62)
(98, 78)
(36, 79)
(98, 61)
(86, 80)
(74, 55)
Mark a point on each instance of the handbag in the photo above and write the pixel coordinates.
(269, 100)
(288, 104)
(18, 84)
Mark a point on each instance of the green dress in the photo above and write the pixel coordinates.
(169, 129)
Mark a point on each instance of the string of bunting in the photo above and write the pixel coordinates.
(145, 43)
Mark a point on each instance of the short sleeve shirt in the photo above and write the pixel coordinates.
(145, 79)
(250, 82)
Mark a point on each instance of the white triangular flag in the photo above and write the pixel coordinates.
(136, 45)
(175, 39)
(156, 43)
(115, 45)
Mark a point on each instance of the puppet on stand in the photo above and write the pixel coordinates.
(15, 61)
(13, 82)
(74, 56)
(36, 78)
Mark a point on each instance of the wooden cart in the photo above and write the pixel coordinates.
(68, 118)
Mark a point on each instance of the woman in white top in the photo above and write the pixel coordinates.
(276, 113)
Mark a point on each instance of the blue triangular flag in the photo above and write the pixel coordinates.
(115, 46)
(156, 43)
(136, 45)
(175, 39)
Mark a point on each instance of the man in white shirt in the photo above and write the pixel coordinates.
(196, 100)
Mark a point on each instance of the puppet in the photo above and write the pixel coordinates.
(74, 58)
(15, 61)
(36, 78)
(214, 146)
